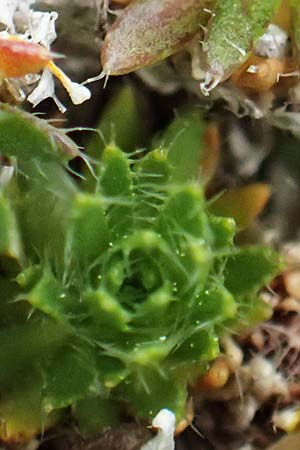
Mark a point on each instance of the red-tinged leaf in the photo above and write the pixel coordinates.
(19, 58)
(211, 152)
(148, 31)
(242, 204)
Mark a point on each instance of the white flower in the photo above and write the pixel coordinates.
(39, 28)
(164, 439)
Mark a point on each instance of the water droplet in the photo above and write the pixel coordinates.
(192, 345)
(111, 244)
(62, 295)
(206, 292)
(162, 338)
(197, 322)
(99, 277)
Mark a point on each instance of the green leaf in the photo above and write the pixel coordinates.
(49, 297)
(42, 202)
(117, 185)
(152, 175)
(261, 13)
(27, 344)
(157, 309)
(94, 414)
(41, 190)
(201, 346)
(183, 139)
(112, 371)
(69, 376)
(20, 410)
(29, 277)
(250, 268)
(252, 310)
(232, 32)
(11, 253)
(25, 136)
(149, 392)
(223, 230)
(121, 124)
(184, 211)
(146, 354)
(214, 305)
(88, 234)
(229, 38)
(12, 312)
(108, 316)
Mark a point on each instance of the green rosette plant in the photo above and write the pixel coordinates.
(115, 289)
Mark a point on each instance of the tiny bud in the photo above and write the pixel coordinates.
(20, 58)
(216, 377)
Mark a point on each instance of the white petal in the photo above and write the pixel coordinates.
(42, 27)
(7, 11)
(45, 89)
(6, 173)
(273, 44)
(164, 440)
(78, 93)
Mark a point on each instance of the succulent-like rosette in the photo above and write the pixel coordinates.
(115, 292)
